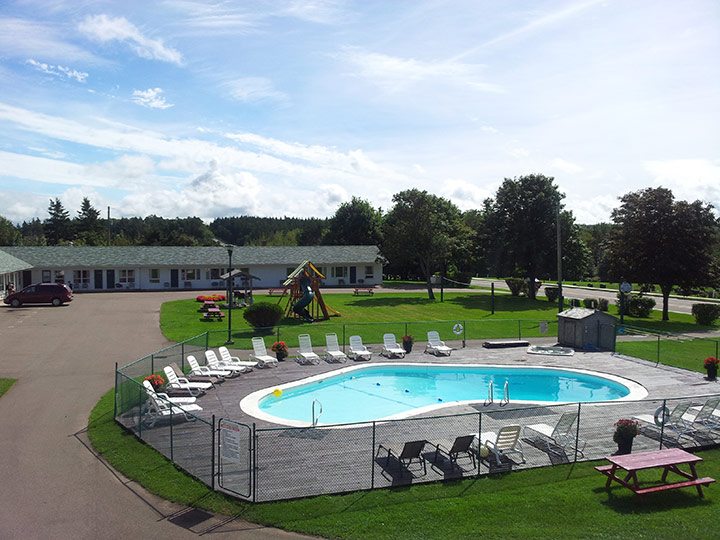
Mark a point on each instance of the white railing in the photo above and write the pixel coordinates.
(506, 393)
(490, 399)
(315, 417)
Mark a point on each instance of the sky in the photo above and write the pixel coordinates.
(289, 108)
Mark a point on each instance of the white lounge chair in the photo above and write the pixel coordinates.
(193, 388)
(260, 354)
(504, 443)
(307, 355)
(358, 351)
(435, 346)
(391, 348)
(332, 349)
(229, 360)
(209, 371)
(707, 417)
(678, 422)
(562, 435)
(185, 400)
(213, 362)
(158, 408)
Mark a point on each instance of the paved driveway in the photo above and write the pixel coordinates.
(63, 358)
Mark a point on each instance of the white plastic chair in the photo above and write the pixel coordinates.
(260, 354)
(505, 442)
(229, 360)
(391, 348)
(194, 388)
(332, 349)
(436, 346)
(358, 351)
(208, 371)
(307, 355)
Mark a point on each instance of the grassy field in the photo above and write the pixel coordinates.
(371, 316)
(5, 385)
(566, 501)
(682, 353)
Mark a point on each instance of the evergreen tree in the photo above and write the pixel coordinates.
(58, 227)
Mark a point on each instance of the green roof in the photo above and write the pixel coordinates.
(8, 263)
(181, 256)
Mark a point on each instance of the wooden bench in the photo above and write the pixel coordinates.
(363, 290)
(677, 485)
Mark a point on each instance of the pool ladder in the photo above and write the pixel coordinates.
(316, 417)
(491, 391)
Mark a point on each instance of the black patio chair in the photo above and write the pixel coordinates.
(461, 446)
(411, 452)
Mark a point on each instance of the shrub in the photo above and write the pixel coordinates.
(603, 286)
(516, 285)
(590, 285)
(637, 305)
(263, 315)
(603, 304)
(552, 293)
(706, 314)
(575, 302)
(590, 303)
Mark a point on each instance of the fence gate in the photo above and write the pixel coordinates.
(235, 457)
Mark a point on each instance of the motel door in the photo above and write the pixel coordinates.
(98, 279)
(174, 278)
(353, 274)
(110, 279)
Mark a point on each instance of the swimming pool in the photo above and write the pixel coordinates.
(397, 390)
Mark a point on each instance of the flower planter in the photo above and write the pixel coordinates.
(281, 356)
(407, 345)
(624, 446)
(712, 370)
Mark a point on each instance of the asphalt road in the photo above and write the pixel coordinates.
(53, 486)
(675, 305)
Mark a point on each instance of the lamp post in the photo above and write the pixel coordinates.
(559, 259)
(230, 294)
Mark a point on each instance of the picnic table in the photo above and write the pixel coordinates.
(363, 290)
(207, 304)
(213, 314)
(274, 291)
(669, 460)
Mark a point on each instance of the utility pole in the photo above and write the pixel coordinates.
(559, 259)
(108, 227)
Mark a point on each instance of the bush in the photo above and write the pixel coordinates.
(552, 293)
(706, 314)
(590, 303)
(516, 285)
(603, 304)
(574, 302)
(637, 305)
(263, 314)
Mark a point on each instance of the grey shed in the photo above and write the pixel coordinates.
(588, 329)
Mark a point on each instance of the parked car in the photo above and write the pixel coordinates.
(41, 293)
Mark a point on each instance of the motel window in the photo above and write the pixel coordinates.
(154, 275)
(214, 273)
(339, 271)
(81, 276)
(189, 274)
(46, 276)
(369, 273)
(127, 276)
(289, 270)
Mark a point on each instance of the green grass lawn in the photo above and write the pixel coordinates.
(682, 353)
(5, 385)
(565, 501)
(400, 313)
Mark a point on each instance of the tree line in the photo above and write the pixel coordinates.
(652, 238)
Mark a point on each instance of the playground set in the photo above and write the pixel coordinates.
(304, 299)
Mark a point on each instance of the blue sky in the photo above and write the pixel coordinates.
(210, 109)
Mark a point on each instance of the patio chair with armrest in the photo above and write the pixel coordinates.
(503, 444)
(182, 383)
(214, 363)
(462, 445)
(678, 421)
(197, 369)
(562, 435)
(157, 408)
(707, 417)
(411, 451)
(176, 400)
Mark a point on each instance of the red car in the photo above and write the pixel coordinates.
(41, 293)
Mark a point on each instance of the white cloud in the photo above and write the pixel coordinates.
(565, 166)
(151, 98)
(106, 29)
(689, 179)
(253, 89)
(317, 11)
(395, 74)
(464, 194)
(58, 71)
(331, 196)
(589, 210)
(21, 38)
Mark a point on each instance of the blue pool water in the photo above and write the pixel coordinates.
(382, 391)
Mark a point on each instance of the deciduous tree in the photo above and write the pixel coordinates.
(355, 223)
(663, 241)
